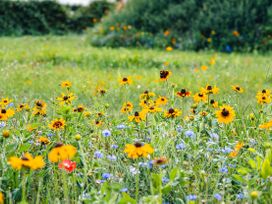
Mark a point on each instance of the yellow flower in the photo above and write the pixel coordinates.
(127, 107)
(210, 90)
(235, 33)
(169, 48)
(198, 97)
(137, 117)
(212, 61)
(57, 124)
(61, 152)
(237, 89)
(172, 113)
(2, 198)
(27, 161)
(209, 40)
(6, 113)
(5, 133)
(226, 114)
(204, 67)
(125, 81)
(22, 106)
(152, 108)
(266, 125)
(40, 108)
(165, 74)
(66, 84)
(137, 150)
(263, 97)
(161, 101)
(66, 98)
(43, 140)
(159, 161)
(147, 95)
(79, 109)
(5, 101)
(166, 33)
(214, 103)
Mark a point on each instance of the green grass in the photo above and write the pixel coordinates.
(33, 67)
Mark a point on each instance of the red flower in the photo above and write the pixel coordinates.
(67, 165)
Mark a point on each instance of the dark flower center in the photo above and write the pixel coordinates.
(209, 88)
(171, 111)
(57, 124)
(65, 98)
(125, 79)
(164, 74)
(212, 101)
(225, 112)
(138, 144)
(136, 114)
(3, 111)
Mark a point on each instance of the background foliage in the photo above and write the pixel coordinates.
(44, 17)
(193, 24)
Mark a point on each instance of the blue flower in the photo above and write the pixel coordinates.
(2, 124)
(10, 105)
(190, 133)
(165, 180)
(111, 157)
(106, 133)
(228, 49)
(226, 150)
(240, 196)
(217, 196)
(179, 129)
(98, 155)
(224, 170)
(121, 126)
(180, 146)
(191, 197)
(114, 146)
(124, 190)
(106, 176)
(214, 136)
(50, 134)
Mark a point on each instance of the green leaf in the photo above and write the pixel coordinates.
(174, 174)
(266, 169)
(156, 184)
(126, 199)
(252, 163)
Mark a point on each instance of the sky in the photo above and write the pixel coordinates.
(82, 2)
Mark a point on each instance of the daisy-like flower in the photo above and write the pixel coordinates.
(5, 114)
(210, 89)
(101, 91)
(5, 101)
(183, 93)
(172, 113)
(61, 152)
(263, 97)
(125, 80)
(43, 140)
(198, 97)
(165, 74)
(169, 48)
(152, 108)
(235, 33)
(22, 107)
(127, 107)
(214, 103)
(138, 149)
(79, 109)
(226, 114)
(204, 67)
(137, 116)
(159, 161)
(147, 95)
(266, 125)
(66, 84)
(66, 98)
(237, 89)
(98, 123)
(161, 101)
(27, 161)
(39, 108)
(57, 124)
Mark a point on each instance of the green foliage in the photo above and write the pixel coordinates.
(194, 24)
(44, 17)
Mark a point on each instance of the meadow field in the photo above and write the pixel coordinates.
(81, 124)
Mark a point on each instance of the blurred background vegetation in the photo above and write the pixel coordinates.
(223, 25)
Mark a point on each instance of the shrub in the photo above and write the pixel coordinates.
(194, 24)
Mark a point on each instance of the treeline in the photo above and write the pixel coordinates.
(48, 17)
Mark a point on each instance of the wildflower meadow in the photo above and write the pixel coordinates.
(99, 125)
